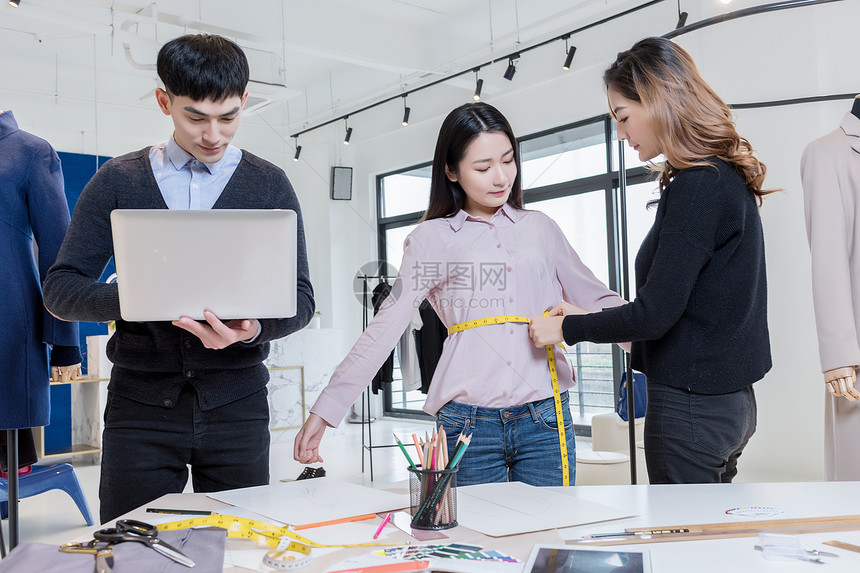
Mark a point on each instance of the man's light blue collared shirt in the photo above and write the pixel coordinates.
(187, 183)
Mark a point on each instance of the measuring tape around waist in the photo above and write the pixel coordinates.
(281, 539)
(550, 358)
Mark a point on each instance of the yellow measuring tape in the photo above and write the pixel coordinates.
(280, 538)
(259, 531)
(550, 358)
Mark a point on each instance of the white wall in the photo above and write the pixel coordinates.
(800, 52)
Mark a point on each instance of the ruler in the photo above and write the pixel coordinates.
(634, 536)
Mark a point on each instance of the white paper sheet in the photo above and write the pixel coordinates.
(312, 500)
(498, 509)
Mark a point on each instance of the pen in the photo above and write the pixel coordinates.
(334, 521)
(384, 521)
(629, 533)
(178, 511)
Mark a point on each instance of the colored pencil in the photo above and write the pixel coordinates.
(334, 521)
(405, 453)
(435, 495)
(418, 448)
(389, 567)
(381, 527)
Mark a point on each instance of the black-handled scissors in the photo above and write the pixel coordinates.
(133, 530)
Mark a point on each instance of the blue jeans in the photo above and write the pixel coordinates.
(510, 444)
(696, 438)
(147, 449)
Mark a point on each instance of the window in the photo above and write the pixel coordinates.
(571, 175)
(403, 193)
(564, 155)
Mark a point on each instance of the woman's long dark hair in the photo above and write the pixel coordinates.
(458, 130)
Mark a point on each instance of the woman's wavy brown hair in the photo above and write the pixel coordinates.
(689, 120)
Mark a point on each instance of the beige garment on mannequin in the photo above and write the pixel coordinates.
(830, 169)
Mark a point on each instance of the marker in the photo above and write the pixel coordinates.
(178, 511)
(381, 527)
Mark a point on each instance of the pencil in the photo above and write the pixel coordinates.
(381, 527)
(433, 496)
(403, 449)
(418, 448)
(389, 567)
(334, 521)
(178, 511)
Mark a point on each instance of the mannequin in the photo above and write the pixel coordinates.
(33, 209)
(830, 170)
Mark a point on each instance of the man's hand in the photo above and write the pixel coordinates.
(307, 444)
(216, 334)
(546, 330)
(841, 381)
(65, 373)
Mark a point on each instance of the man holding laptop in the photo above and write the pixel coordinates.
(182, 392)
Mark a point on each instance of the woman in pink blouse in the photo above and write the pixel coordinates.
(477, 254)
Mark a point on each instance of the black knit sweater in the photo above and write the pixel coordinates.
(699, 320)
(153, 360)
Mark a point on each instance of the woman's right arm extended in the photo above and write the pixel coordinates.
(371, 349)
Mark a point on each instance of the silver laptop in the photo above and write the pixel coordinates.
(236, 263)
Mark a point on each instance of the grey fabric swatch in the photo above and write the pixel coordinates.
(204, 546)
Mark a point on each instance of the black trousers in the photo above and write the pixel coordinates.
(147, 449)
(696, 438)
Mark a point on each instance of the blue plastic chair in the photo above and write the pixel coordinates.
(42, 479)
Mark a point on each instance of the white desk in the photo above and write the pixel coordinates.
(655, 506)
(690, 504)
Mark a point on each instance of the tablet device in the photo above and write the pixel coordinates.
(567, 559)
(237, 263)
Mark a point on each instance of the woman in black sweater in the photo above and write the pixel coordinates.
(698, 325)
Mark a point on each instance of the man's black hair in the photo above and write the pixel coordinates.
(201, 67)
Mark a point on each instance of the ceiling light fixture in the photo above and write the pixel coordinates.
(15, 3)
(298, 150)
(512, 67)
(479, 83)
(406, 111)
(348, 131)
(570, 51)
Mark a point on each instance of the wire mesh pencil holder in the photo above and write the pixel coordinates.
(433, 498)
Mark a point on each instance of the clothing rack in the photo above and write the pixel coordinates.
(365, 420)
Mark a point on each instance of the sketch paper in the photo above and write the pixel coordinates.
(312, 500)
(498, 509)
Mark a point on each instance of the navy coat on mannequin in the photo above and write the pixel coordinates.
(33, 208)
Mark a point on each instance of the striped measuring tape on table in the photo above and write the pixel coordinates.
(550, 358)
(281, 539)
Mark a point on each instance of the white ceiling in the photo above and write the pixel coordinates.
(312, 60)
